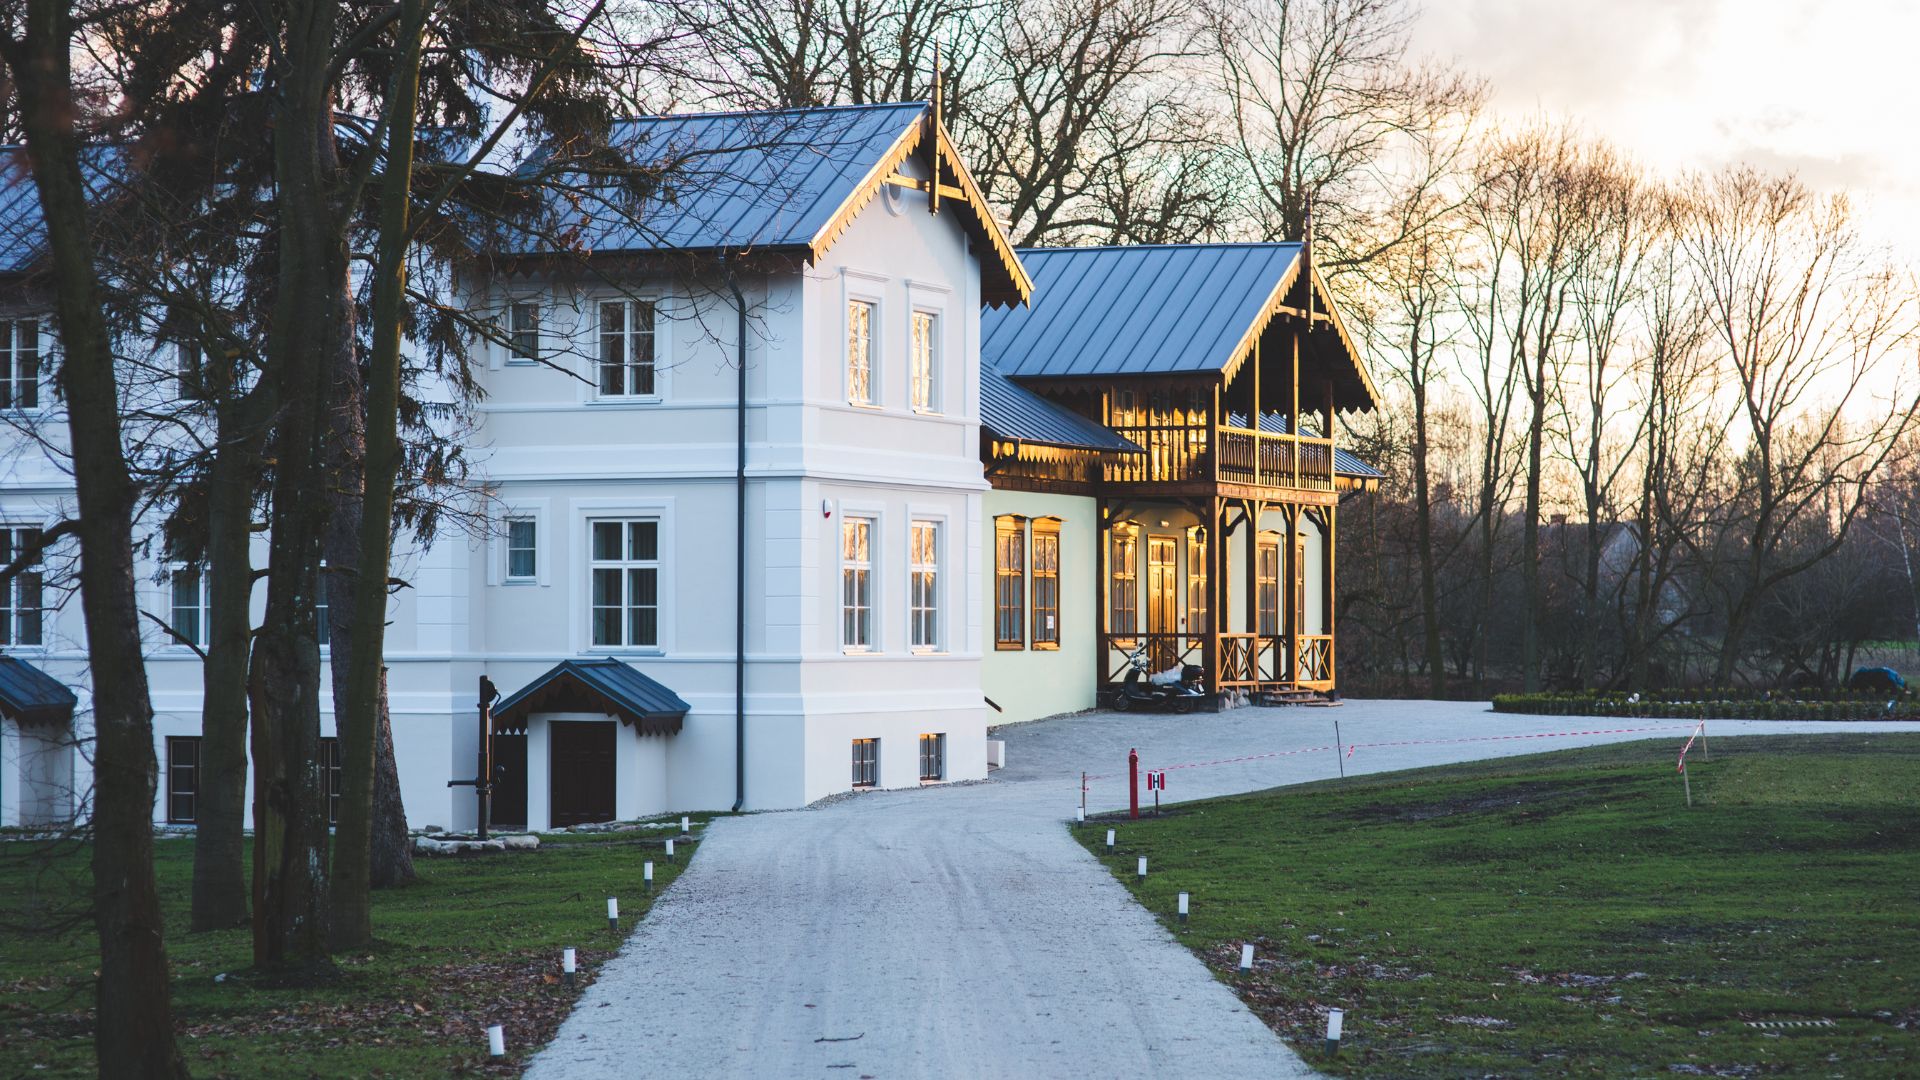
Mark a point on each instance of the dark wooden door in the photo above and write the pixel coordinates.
(580, 771)
(509, 807)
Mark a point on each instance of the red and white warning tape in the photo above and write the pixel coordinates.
(1351, 747)
(1698, 729)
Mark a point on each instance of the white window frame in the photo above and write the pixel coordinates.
(924, 378)
(576, 525)
(9, 344)
(935, 608)
(870, 567)
(863, 287)
(625, 565)
(508, 348)
(869, 396)
(202, 608)
(507, 576)
(596, 303)
(10, 632)
(939, 746)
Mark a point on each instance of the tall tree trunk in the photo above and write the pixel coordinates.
(219, 843)
(1423, 521)
(313, 316)
(133, 1023)
(360, 713)
(390, 855)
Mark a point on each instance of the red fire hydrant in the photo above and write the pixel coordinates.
(1133, 781)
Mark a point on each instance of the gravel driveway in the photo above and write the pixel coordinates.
(959, 932)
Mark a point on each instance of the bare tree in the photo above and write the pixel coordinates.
(1811, 330)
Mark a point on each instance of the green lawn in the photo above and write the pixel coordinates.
(1566, 914)
(476, 942)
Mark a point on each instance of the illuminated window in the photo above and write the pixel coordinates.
(925, 359)
(1196, 581)
(1267, 579)
(1046, 583)
(1125, 608)
(866, 762)
(856, 582)
(924, 584)
(1009, 582)
(859, 352)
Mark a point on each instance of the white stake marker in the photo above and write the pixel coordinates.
(497, 1041)
(1336, 1018)
(669, 849)
(1109, 839)
(684, 825)
(1183, 907)
(1143, 868)
(646, 871)
(568, 964)
(1246, 958)
(613, 914)
(1079, 813)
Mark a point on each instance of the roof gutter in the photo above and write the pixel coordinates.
(740, 547)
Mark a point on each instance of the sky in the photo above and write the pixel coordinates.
(1828, 89)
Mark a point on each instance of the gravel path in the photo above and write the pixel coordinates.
(959, 932)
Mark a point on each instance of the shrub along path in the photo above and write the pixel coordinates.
(1567, 914)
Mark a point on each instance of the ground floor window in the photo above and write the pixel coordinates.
(1009, 583)
(1196, 580)
(1046, 584)
(330, 776)
(183, 779)
(933, 757)
(1125, 607)
(1267, 581)
(866, 762)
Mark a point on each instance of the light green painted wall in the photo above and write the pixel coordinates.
(1031, 683)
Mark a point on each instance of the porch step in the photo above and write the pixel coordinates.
(1293, 697)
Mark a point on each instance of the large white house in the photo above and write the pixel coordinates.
(948, 475)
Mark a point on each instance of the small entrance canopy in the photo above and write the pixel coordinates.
(594, 686)
(30, 696)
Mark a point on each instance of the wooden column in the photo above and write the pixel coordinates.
(1253, 411)
(1326, 592)
(1293, 421)
(1210, 645)
(1102, 593)
(1289, 570)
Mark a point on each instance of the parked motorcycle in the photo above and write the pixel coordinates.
(1178, 688)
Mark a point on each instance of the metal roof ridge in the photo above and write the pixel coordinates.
(718, 113)
(1195, 244)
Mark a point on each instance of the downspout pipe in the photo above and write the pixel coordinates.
(740, 547)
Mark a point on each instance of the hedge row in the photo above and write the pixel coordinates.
(1706, 705)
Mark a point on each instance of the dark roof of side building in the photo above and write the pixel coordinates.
(1175, 309)
(1010, 411)
(31, 696)
(603, 685)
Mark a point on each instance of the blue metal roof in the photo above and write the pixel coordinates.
(23, 235)
(1011, 411)
(599, 685)
(31, 696)
(1142, 309)
(1344, 463)
(771, 178)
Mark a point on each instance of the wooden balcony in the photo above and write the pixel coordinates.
(1266, 459)
(1179, 454)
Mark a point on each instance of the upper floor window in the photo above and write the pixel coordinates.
(523, 331)
(856, 582)
(625, 569)
(926, 361)
(187, 587)
(19, 363)
(1009, 582)
(1046, 583)
(189, 372)
(627, 349)
(20, 598)
(924, 570)
(522, 555)
(860, 352)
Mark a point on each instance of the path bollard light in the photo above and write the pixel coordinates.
(1246, 959)
(1335, 1018)
(1183, 909)
(1143, 868)
(646, 872)
(685, 825)
(568, 965)
(613, 915)
(1109, 839)
(669, 849)
(496, 1041)
(1079, 813)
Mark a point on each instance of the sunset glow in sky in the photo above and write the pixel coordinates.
(1830, 90)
